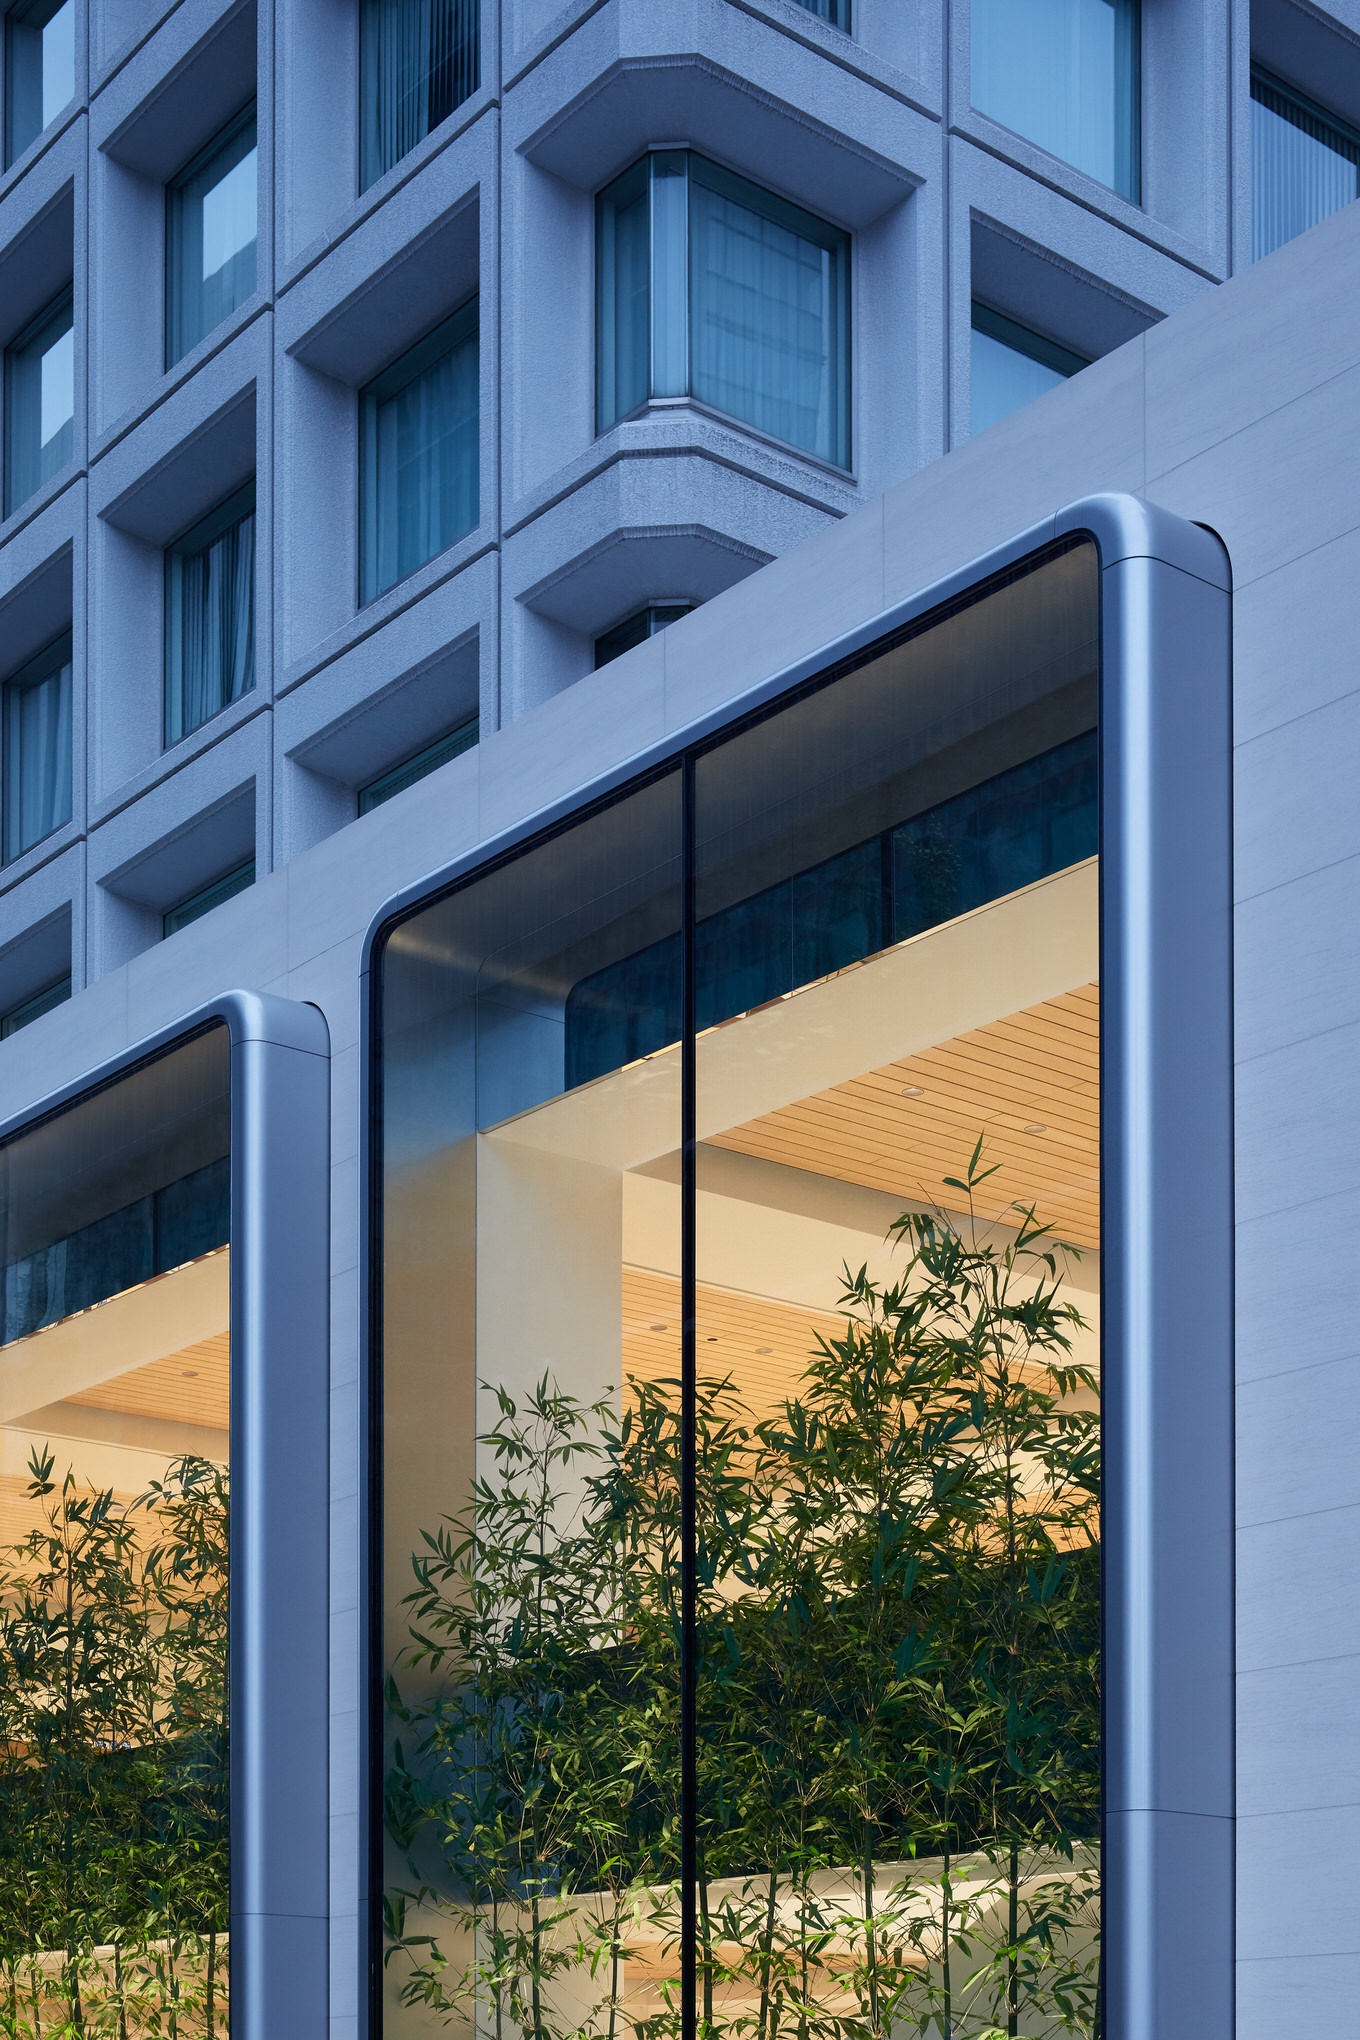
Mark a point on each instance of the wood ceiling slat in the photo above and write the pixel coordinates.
(1039, 1066)
(193, 1385)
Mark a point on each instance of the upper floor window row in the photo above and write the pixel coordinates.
(40, 70)
(418, 61)
(710, 288)
(1305, 163)
(1064, 74)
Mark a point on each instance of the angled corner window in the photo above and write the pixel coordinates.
(1305, 163)
(39, 402)
(210, 615)
(1065, 75)
(36, 738)
(1010, 366)
(211, 228)
(419, 454)
(418, 61)
(40, 70)
(710, 288)
(115, 1360)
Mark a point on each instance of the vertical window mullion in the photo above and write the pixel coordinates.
(670, 295)
(689, 1755)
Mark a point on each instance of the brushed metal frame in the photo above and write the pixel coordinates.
(1167, 1235)
(280, 1519)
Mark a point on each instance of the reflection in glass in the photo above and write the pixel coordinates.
(211, 233)
(40, 70)
(531, 1500)
(210, 615)
(418, 61)
(1304, 164)
(37, 748)
(1064, 73)
(420, 454)
(40, 403)
(890, 1122)
(114, 1373)
(708, 286)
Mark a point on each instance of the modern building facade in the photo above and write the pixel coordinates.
(607, 657)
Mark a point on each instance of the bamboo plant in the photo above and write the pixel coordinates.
(897, 1686)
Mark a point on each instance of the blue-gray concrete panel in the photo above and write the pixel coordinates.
(1298, 1588)
(1297, 1748)
(1296, 1309)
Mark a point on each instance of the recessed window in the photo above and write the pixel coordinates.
(418, 61)
(418, 767)
(37, 748)
(209, 896)
(1305, 164)
(1011, 366)
(635, 630)
(40, 70)
(39, 403)
(210, 615)
(211, 227)
(709, 287)
(419, 454)
(837, 12)
(1064, 74)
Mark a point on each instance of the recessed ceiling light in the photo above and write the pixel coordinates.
(1036, 1128)
(190, 1373)
(763, 1349)
(912, 1091)
(658, 1328)
(713, 1340)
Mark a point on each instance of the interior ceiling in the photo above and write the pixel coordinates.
(764, 1345)
(192, 1385)
(1036, 1068)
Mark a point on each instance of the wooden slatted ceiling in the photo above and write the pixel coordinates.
(1039, 1066)
(192, 1385)
(764, 1346)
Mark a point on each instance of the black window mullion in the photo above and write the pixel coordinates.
(689, 1755)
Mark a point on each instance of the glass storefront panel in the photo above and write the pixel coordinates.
(115, 1374)
(530, 1447)
(898, 1696)
(856, 1205)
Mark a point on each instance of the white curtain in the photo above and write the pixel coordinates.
(763, 323)
(1061, 73)
(419, 62)
(38, 758)
(426, 454)
(216, 625)
(1299, 174)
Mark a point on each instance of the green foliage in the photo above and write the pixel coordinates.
(113, 1759)
(898, 1702)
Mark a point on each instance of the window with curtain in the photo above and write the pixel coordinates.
(419, 454)
(709, 287)
(837, 12)
(1305, 164)
(1010, 366)
(37, 747)
(211, 224)
(1064, 74)
(39, 402)
(418, 61)
(210, 615)
(40, 70)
